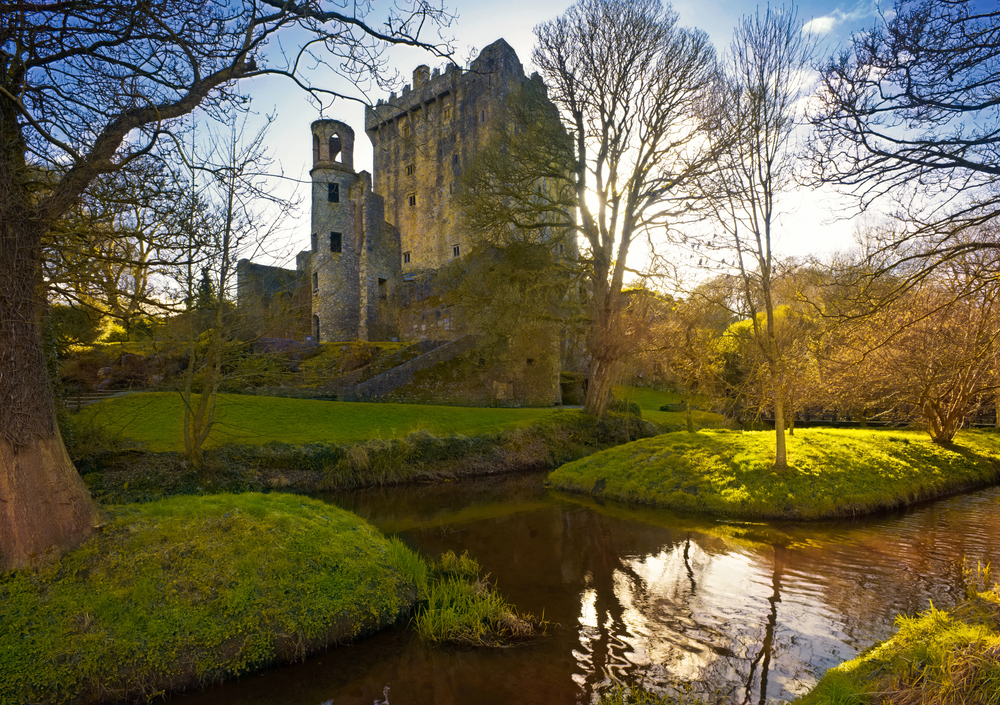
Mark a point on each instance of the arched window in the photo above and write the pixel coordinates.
(335, 147)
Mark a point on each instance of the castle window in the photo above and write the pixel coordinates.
(406, 258)
(454, 158)
(410, 168)
(333, 192)
(335, 147)
(315, 242)
(406, 130)
(482, 116)
(315, 282)
(455, 250)
(316, 328)
(447, 112)
(412, 199)
(335, 242)
(383, 289)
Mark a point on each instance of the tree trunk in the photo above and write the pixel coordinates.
(780, 458)
(687, 413)
(45, 508)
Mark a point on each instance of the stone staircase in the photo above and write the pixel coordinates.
(403, 374)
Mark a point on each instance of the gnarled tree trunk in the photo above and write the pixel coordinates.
(45, 507)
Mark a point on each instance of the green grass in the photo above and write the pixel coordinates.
(155, 419)
(937, 657)
(191, 590)
(650, 401)
(832, 472)
(460, 607)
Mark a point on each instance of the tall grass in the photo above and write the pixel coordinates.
(460, 607)
(935, 658)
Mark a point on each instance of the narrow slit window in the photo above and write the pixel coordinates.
(315, 282)
(412, 199)
(333, 192)
(335, 242)
(455, 250)
(406, 258)
(410, 168)
(314, 242)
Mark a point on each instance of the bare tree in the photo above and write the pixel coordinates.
(85, 89)
(765, 72)
(631, 89)
(236, 224)
(909, 112)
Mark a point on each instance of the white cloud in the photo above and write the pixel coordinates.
(820, 25)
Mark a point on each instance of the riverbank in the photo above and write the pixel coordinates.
(832, 472)
(127, 472)
(192, 590)
(937, 656)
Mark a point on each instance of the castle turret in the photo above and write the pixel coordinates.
(355, 256)
(335, 241)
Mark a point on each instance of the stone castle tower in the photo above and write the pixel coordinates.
(424, 138)
(353, 263)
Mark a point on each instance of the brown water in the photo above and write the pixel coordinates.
(733, 612)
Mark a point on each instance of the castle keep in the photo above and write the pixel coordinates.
(425, 137)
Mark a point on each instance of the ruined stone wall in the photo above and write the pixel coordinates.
(424, 138)
(380, 274)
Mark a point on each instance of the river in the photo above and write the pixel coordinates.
(731, 612)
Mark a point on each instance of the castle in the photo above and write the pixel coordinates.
(377, 240)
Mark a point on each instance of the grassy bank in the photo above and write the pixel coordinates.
(832, 473)
(119, 473)
(188, 591)
(946, 657)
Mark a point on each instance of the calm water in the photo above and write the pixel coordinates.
(735, 612)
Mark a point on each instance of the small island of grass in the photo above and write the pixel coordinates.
(831, 473)
(191, 590)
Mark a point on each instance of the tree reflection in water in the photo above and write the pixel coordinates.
(732, 613)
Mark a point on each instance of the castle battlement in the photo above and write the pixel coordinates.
(428, 87)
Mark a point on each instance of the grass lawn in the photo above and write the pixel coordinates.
(191, 590)
(156, 418)
(650, 401)
(833, 472)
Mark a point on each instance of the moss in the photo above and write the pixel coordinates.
(190, 590)
(833, 472)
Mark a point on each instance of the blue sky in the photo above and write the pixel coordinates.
(813, 222)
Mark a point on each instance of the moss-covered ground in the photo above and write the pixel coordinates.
(831, 473)
(191, 590)
(937, 657)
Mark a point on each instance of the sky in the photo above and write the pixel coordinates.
(813, 222)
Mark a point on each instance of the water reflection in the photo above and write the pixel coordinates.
(737, 613)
